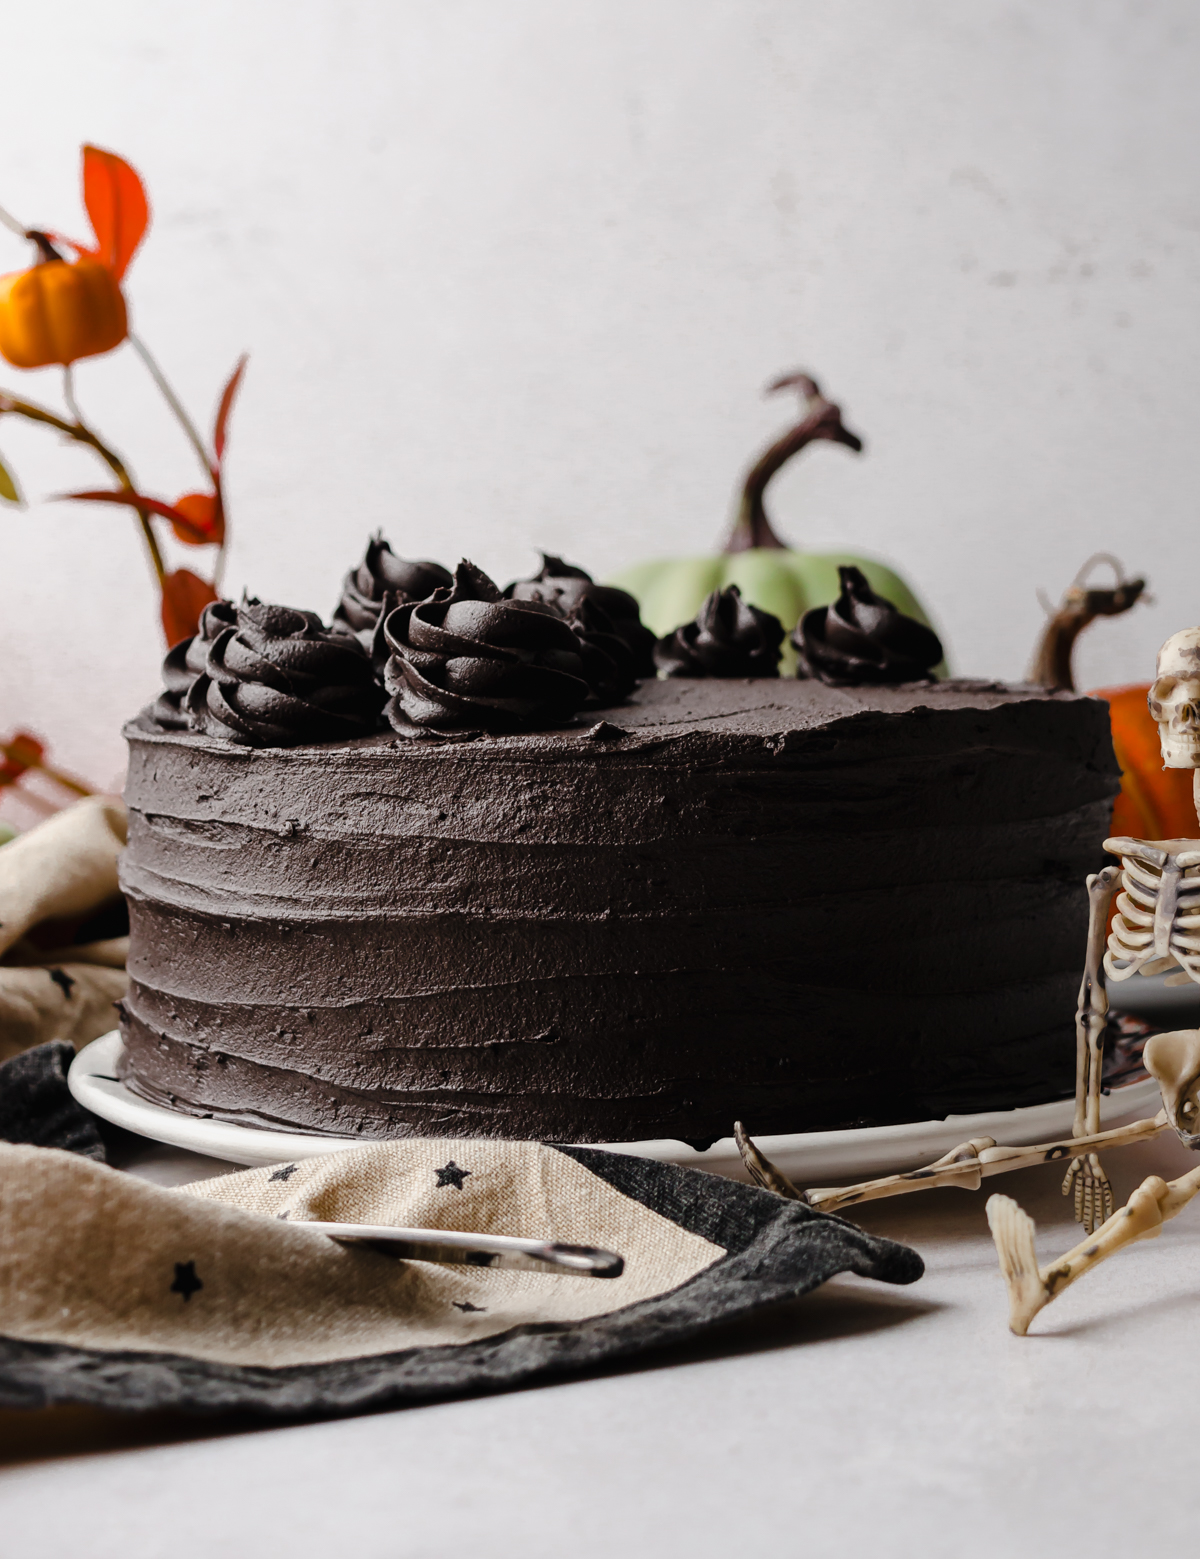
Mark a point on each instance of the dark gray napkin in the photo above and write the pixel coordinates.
(36, 1106)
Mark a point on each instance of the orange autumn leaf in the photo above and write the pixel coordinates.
(205, 523)
(184, 526)
(223, 410)
(116, 203)
(184, 597)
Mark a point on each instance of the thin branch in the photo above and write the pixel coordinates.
(81, 434)
(9, 221)
(69, 393)
(173, 401)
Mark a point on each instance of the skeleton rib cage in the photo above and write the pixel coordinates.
(1157, 923)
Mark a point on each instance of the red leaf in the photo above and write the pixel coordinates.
(184, 597)
(181, 521)
(203, 522)
(116, 203)
(22, 753)
(226, 405)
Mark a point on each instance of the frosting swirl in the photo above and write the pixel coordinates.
(863, 639)
(565, 586)
(278, 676)
(608, 662)
(185, 661)
(469, 660)
(727, 638)
(381, 582)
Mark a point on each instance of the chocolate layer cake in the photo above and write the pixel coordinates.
(798, 905)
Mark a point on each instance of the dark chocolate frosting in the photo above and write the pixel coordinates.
(565, 586)
(862, 639)
(727, 638)
(185, 661)
(608, 662)
(469, 660)
(279, 677)
(646, 932)
(380, 583)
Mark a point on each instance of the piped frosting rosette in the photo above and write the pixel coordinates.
(279, 677)
(566, 587)
(862, 639)
(727, 638)
(380, 583)
(609, 667)
(467, 660)
(185, 662)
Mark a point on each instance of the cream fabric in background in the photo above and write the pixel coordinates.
(61, 871)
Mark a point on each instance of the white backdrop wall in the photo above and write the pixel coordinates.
(514, 272)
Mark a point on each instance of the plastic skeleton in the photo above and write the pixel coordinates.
(1156, 928)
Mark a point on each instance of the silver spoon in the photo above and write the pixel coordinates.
(476, 1250)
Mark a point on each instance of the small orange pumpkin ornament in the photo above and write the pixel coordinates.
(1154, 803)
(59, 310)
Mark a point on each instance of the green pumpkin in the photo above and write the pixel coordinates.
(769, 574)
(670, 591)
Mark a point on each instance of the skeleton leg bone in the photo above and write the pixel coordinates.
(966, 1165)
(1031, 1288)
(1086, 1177)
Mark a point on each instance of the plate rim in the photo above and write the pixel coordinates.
(908, 1144)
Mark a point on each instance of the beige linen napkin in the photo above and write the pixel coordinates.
(61, 871)
(98, 1259)
(212, 1297)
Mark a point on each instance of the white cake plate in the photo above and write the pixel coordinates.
(811, 1158)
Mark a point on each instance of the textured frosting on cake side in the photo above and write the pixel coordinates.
(797, 905)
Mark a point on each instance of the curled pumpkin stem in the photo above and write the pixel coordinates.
(822, 419)
(1081, 604)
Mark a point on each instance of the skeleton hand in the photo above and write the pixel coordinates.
(1093, 1192)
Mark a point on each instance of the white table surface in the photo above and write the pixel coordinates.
(861, 1420)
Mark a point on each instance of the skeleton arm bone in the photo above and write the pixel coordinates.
(1086, 1177)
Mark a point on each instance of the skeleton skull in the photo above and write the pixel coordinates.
(1175, 700)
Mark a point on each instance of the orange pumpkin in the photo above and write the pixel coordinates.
(58, 311)
(1155, 803)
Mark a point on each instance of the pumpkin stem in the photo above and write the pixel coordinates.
(1079, 606)
(821, 419)
(46, 250)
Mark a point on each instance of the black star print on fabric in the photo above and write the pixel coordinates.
(186, 1282)
(467, 1307)
(62, 979)
(452, 1175)
(285, 1172)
